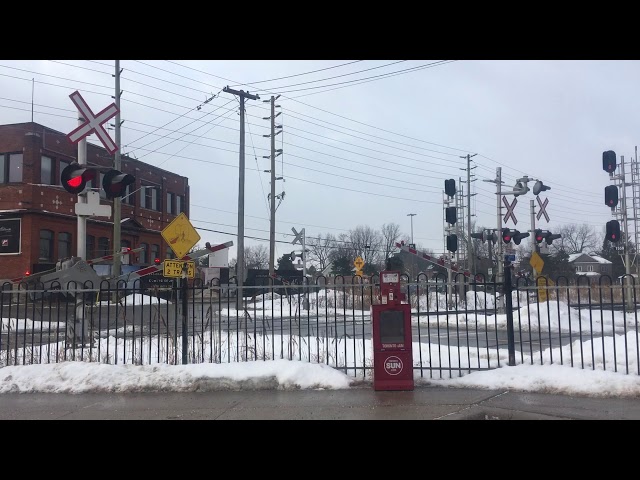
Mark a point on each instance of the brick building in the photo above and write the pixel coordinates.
(38, 225)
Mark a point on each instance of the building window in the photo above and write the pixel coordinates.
(603, 269)
(578, 268)
(91, 246)
(155, 251)
(144, 254)
(170, 254)
(46, 170)
(128, 198)
(11, 168)
(46, 245)
(170, 202)
(125, 243)
(64, 245)
(149, 198)
(63, 165)
(179, 204)
(103, 194)
(103, 246)
(591, 268)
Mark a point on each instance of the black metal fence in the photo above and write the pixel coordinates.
(457, 327)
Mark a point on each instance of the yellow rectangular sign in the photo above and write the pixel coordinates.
(173, 268)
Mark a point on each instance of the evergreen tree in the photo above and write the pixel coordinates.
(285, 263)
(342, 265)
(394, 263)
(557, 265)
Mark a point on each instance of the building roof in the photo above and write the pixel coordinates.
(574, 256)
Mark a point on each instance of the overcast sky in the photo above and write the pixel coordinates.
(367, 152)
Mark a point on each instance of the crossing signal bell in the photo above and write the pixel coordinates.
(611, 196)
(74, 177)
(609, 161)
(613, 231)
(115, 183)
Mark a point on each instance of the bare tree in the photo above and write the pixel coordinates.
(320, 249)
(390, 234)
(256, 257)
(366, 242)
(576, 239)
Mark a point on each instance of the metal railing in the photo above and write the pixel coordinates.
(583, 325)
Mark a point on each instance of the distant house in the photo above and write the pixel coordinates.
(590, 265)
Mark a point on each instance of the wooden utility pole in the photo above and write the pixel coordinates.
(240, 256)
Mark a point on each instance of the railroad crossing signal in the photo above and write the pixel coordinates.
(93, 123)
(510, 209)
(542, 211)
(180, 235)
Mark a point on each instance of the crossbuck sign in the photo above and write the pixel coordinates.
(543, 206)
(510, 209)
(93, 123)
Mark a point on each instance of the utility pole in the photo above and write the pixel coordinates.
(534, 243)
(240, 256)
(272, 195)
(117, 202)
(499, 259)
(411, 215)
(471, 253)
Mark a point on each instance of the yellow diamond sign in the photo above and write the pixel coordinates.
(536, 262)
(358, 263)
(180, 235)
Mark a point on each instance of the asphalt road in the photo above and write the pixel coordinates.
(361, 403)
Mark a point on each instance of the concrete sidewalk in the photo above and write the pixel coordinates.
(423, 403)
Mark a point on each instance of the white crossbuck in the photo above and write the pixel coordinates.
(543, 211)
(510, 209)
(93, 123)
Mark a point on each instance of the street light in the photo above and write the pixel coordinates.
(412, 215)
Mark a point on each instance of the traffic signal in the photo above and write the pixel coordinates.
(540, 235)
(540, 187)
(609, 161)
(613, 231)
(452, 243)
(451, 215)
(520, 188)
(611, 196)
(74, 177)
(506, 235)
(115, 183)
(480, 236)
(450, 187)
(550, 237)
(517, 236)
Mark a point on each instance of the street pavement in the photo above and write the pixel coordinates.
(360, 403)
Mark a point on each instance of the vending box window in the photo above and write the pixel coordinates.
(392, 341)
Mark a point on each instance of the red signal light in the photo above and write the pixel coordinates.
(156, 261)
(27, 273)
(75, 182)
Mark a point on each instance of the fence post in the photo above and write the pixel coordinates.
(508, 288)
(185, 306)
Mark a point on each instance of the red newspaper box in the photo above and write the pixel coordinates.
(392, 347)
